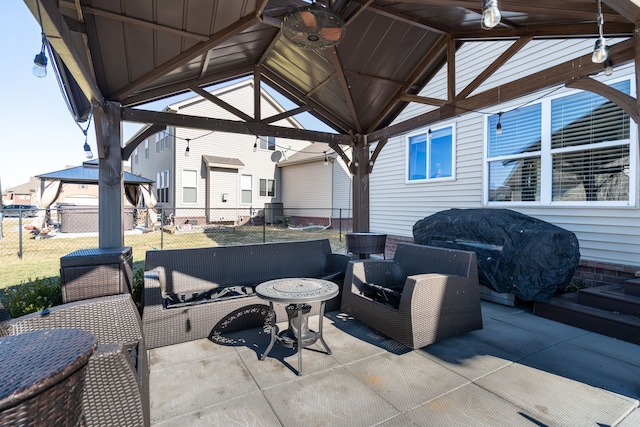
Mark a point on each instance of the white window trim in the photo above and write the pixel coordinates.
(195, 172)
(274, 188)
(423, 131)
(546, 158)
(242, 189)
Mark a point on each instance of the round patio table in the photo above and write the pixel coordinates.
(42, 377)
(297, 292)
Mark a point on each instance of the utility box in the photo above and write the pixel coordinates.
(96, 272)
(272, 211)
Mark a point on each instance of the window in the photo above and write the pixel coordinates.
(135, 156)
(189, 186)
(267, 143)
(146, 148)
(246, 187)
(585, 147)
(161, 141)
(267, 188)
(430, 154)
(162, 187)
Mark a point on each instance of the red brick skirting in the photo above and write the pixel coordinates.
(593, 273)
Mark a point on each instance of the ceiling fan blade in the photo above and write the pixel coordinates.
(299, 36)
(332, 34)
(309, 19)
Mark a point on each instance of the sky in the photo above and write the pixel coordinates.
(39, 134)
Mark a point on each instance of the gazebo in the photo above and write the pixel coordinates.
(354, 64)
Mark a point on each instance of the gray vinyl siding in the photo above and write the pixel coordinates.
(156, 163)
(307, 185)
(342, 189)
(608, 234)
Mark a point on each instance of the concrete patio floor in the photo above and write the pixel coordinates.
(519, 370)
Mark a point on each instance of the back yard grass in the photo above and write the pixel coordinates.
(41, 257)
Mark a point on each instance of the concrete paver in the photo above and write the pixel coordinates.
(518, 370)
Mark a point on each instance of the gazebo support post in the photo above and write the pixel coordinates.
(360, 169)
(108, 126)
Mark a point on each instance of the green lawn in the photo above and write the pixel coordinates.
(41, 257)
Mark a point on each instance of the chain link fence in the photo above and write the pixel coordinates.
(29, 251)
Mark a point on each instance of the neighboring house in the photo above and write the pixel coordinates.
(23, 194)
(218, 177)
(317, 181)
(565, 156)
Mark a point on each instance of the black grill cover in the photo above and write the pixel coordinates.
(516, 253)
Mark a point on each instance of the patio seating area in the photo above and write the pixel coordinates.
(519, 370)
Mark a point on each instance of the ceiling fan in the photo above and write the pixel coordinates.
(313, 27)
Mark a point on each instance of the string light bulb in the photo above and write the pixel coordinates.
(491, 15)
(40, 62)
(608, 67)
(326, 159)
(255, 144)
(186, 150)
(87, 150)
(600, 50)
(499, 125)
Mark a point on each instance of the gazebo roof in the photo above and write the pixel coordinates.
(88, 174)
(135, 51)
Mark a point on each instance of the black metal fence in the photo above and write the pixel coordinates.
(30, 251)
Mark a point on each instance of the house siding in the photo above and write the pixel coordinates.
(307, 193)
(261, 164)
(608, 236)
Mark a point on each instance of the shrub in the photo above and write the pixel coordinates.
(574, 286)
(138, 287)
(32, 296)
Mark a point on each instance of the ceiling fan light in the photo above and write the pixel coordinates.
(313, 27)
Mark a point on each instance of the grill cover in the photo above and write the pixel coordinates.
(525, 256)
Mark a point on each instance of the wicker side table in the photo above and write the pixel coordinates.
(42, 377)
(96, 272)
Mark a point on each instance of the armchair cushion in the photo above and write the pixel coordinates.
(381, 294)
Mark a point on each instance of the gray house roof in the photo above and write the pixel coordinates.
(88, 174)
(311, 152)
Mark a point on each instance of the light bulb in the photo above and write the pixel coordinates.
(40, 65)
(499, 129)
(186, 151)
(600, 51)
(491, 15)
(255, 146)
(608, 67)
(87, 151)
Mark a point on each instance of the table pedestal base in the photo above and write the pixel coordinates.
(298, 315)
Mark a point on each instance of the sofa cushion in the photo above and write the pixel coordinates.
(173, 300)
(381, 294)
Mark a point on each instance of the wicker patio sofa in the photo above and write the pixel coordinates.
(423, 295)
(191, 294)
(117, 376)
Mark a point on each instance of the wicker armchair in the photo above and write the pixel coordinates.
(117, 376)
(436, 291)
